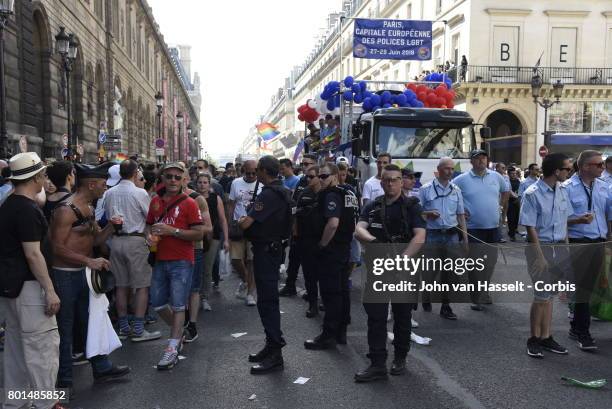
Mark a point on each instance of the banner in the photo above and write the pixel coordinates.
(392, 39)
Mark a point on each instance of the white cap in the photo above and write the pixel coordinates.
(113, 176)
(341, 159)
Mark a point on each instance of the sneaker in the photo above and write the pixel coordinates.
(447, 312)
(534, 348)
(145, 336)
(123, 335)
(585, 342)
(191, 334)
(241, 291)
(250, 300)
(205, 305)
(549, 344)
(150, 319)
(168, 360)
(477, 307)
(79, 359)
(570, 315)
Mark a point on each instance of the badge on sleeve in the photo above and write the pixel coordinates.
(331, 206)
(258, 206)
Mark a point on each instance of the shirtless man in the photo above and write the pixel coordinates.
(74, 234)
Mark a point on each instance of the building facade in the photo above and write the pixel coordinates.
(122, 62)
(570, 41)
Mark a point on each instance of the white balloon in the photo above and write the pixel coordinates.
(312, 104)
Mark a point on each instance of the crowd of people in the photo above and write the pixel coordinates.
(151, 238)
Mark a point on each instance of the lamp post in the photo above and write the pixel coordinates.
(67, 46)
(536, 88)
(179, 119)
(159, 102)
(6, 9)
(189, 141)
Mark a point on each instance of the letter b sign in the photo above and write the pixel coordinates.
(504, 49)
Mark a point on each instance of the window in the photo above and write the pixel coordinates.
(455, 48)
(128, 30)
(438, 6)
(116, 19)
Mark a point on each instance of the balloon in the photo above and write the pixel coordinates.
(443, 106)
(358, 98)
(440, 90)
(412, 87)
(376, 100)
(367, 103)
(356, 89)
(375, 107)
(348, 81)
(337, 101)
(385, 97)
(448, 82)
(440, 101)
(422, 96)
(302, 108)
(421, 88)
(419, 104)
(450, 104)
(311, 104)
(301, 117)
(387, 105)
(410, 94)
(401, 99)
(347, 96)
(330, 105)
(367, 94)
(431, 99)
(364, 86)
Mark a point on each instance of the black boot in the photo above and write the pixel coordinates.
(313, 309)
(320, 342)
(287, 291)
(447, 312)
(271, 363)
(341, 336)
(258, 357)
(373, 372)
(398, 367)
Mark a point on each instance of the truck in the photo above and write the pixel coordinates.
(415, 137)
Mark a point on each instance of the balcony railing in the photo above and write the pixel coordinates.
(523, 75)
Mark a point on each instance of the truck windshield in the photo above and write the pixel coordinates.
(409, 142)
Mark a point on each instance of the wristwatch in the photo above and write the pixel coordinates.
(176, 232)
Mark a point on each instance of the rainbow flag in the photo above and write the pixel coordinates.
(120, 157)
(267, 131)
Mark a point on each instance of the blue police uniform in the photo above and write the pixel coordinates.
(587, 260)
(528, 181)
(547, 210)
(295, 259)
(271, 214)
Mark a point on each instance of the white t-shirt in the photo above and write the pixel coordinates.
(241, 192)
(372, 189)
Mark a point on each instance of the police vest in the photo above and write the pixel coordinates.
(277, 227)
(348, 216)
(385, 229)
(307, 215)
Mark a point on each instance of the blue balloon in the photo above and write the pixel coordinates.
(363, 85)
(401, 99)
(348, 81)
(376, 100)
(358, 98)
(324, 96)
(385, 97)
(330, 105)
(449, 83)
(375, 107)
(337, 100)
(367, 103)
(419, 104)
(410, 95)
(387, 105)
(356, 89)
(347, 96)
(367, 94)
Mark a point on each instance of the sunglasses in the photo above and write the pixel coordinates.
(599, 164)
(307, 163)
(175, 177)
(311, 176)
(408, 177)
(324, 176)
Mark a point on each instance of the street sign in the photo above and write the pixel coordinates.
(113, 145)
(102, 137)
(543, 151)
(65, 140)
(23, 144)
(80, 149)
(160, 143)
(65, 152)
(160, 151)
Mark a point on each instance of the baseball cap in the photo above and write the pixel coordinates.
(410, 172)
(477, 152)
(113, 176)
(174, 165)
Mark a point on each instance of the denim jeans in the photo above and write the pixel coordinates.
(440, 245)
(73, 292)
(198, 264)
(171, 284)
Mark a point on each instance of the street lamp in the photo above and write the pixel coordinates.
(6, 9)
(159, 102)
(179, 119)
(536, 88)
(67, 46)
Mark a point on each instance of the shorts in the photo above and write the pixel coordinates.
(196, 279)
(241, 250)
(128, 259)
(171, 284)
(558, 258)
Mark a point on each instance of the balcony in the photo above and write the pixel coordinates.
(523, 75)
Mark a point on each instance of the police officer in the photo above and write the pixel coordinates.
(337, 209)
(295, 260)
(589, 196)
(266, 225)
(391, 218)
(443, 209)
(544, 213)
(308, 232)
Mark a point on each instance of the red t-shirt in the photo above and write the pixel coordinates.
(182, 216)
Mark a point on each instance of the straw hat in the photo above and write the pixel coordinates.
(25, 165)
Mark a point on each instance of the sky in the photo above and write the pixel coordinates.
(243, 51)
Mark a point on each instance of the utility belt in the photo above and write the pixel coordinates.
(586, 240)
(119, 234)
(269, 245)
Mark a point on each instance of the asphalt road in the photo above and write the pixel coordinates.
(478, 361)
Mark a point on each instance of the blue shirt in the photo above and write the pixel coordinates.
(601, 206)
(448, 201)
(525, 184)
(547, 210)
(481, 198)
(291, 182)
(606, 177)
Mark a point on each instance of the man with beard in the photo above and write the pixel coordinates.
(74, 234)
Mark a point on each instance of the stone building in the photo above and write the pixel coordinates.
(122, 62)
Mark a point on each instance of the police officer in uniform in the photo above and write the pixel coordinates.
(266, 225)
(337, 209)
(391, 218)
(308, 232)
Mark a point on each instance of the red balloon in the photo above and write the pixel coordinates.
(451, 93)
(440, 101)
(448, 97)
(426, 104)
(440, 90)
(422, 96)
(412, 87)
(450, 104)
(431, 99)
(301, 117)
(443, 85)
(421, 88)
